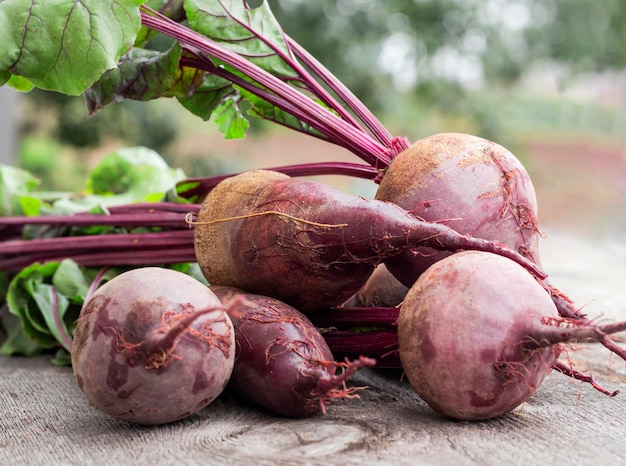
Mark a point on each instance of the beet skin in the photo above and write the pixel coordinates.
(152, 346)
(468, 332)
(282, 361)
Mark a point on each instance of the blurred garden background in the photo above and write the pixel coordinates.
(545, 78)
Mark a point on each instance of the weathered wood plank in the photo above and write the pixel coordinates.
(44, 419)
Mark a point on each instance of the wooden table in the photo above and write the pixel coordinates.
(45, 419)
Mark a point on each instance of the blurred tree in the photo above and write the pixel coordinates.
(416, 41)
(589, 35)
(138, 123)
(370, 44)
(438, 50)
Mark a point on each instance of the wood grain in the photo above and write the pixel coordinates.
(44, 419)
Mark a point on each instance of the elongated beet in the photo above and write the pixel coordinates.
(153, 346)
(306, 243)
(471, 184)
(282, 361)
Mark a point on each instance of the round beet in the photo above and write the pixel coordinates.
(471, 184)
(477, 335)
(152, 346)
(467, 335)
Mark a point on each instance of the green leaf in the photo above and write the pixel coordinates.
(52, 306)
(20, 83)
(4, 77)
(230, 121)
(16, 342)
(130, 174)
(69, 280)
(212, 93)
(47, 314)
(28, 291)
(14, 184)
(184, 187)
(140, 75)
(144, 75)
(31, 205)
(64, 45)
(138, 171)
(242, 29)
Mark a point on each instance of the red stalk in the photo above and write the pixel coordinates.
(341, 132)
(163, 220)
(313, 86)
(201, 186)
(101, 250)
(346, 317)
(207, 65)
(68, 244)
(365, 115)
(106, 258)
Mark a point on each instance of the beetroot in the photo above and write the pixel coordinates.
(382, 289)
(478, 334)
(153, 346)
(473, 185)
(306, 243)
(478, 188)
(282, 361)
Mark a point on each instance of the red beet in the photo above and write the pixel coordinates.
(478, 334)
(471, 184)
(477, 187)
(306, 243)
(153, 346)
(282, 361)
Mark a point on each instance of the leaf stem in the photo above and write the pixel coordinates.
(312, 85)
(102, 250)
(202, 185)
(338, 130)
(276, 101)
(366, 116)
(95, 283)
(66, 340)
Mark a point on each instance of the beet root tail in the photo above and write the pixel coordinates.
(158, 349)
(568, 310)
(566, 330)
(587, 378)
(333, 385)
